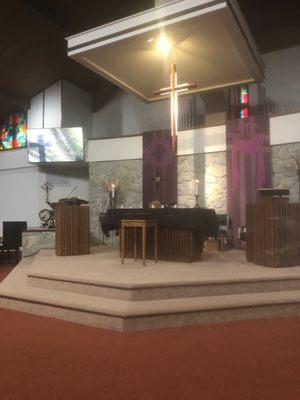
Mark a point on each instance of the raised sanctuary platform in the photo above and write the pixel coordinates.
(97, 290)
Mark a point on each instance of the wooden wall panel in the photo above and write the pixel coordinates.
(273, 234)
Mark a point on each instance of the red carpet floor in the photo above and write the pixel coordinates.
(43, 358)
(5, 269)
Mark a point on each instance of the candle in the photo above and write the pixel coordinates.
(113, 190)
(196, 187)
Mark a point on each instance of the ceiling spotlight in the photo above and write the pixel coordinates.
(163, 44)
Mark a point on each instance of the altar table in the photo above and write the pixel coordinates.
(181, 231)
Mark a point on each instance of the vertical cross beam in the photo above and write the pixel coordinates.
(174, 105)
(173, 91)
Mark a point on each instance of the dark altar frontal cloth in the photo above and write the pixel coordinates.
(181, 231)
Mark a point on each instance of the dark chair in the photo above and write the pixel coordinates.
(242, 234)
(222, 236)
(12, 238)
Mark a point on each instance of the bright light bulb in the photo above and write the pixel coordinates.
(163, 45)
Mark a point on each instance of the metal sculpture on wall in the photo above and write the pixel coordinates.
(47, 186)
(47, 216)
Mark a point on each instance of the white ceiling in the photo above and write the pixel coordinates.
(213, 48)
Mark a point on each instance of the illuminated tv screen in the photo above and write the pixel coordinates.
(55, 145)
(13, 131)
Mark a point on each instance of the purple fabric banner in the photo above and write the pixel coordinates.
(159, 168)
(248, 166)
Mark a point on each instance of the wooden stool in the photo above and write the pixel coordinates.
(139, 223)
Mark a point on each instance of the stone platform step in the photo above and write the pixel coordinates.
(167, 290)
(100, 274)
(127, 316)
(139, 315)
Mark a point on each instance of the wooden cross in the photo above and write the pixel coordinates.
(173, 90)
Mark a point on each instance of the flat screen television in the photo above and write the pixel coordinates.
(55, 145)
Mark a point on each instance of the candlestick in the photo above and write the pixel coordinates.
(196, 187)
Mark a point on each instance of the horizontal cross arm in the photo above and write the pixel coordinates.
(178, 88)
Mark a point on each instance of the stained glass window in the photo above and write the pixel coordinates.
(13, 131)
(244, 95)
(244, 113)
(244, 102)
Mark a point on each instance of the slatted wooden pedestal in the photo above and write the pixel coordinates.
(72, 230)
(273, 233)
(174, 244)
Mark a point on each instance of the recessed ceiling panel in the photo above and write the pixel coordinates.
(211, 42)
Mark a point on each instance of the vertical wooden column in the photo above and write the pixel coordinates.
(72, 230)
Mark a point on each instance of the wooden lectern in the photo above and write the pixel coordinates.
(72, 229)
(273, 230)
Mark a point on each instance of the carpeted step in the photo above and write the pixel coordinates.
(166, 290)
(101, 274)
(127, 315)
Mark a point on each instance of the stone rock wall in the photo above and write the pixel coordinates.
(129, 173)
(286, 168)
(210, 170)
(33, 242)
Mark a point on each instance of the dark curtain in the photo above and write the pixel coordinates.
(159, 168)
(248, 166)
